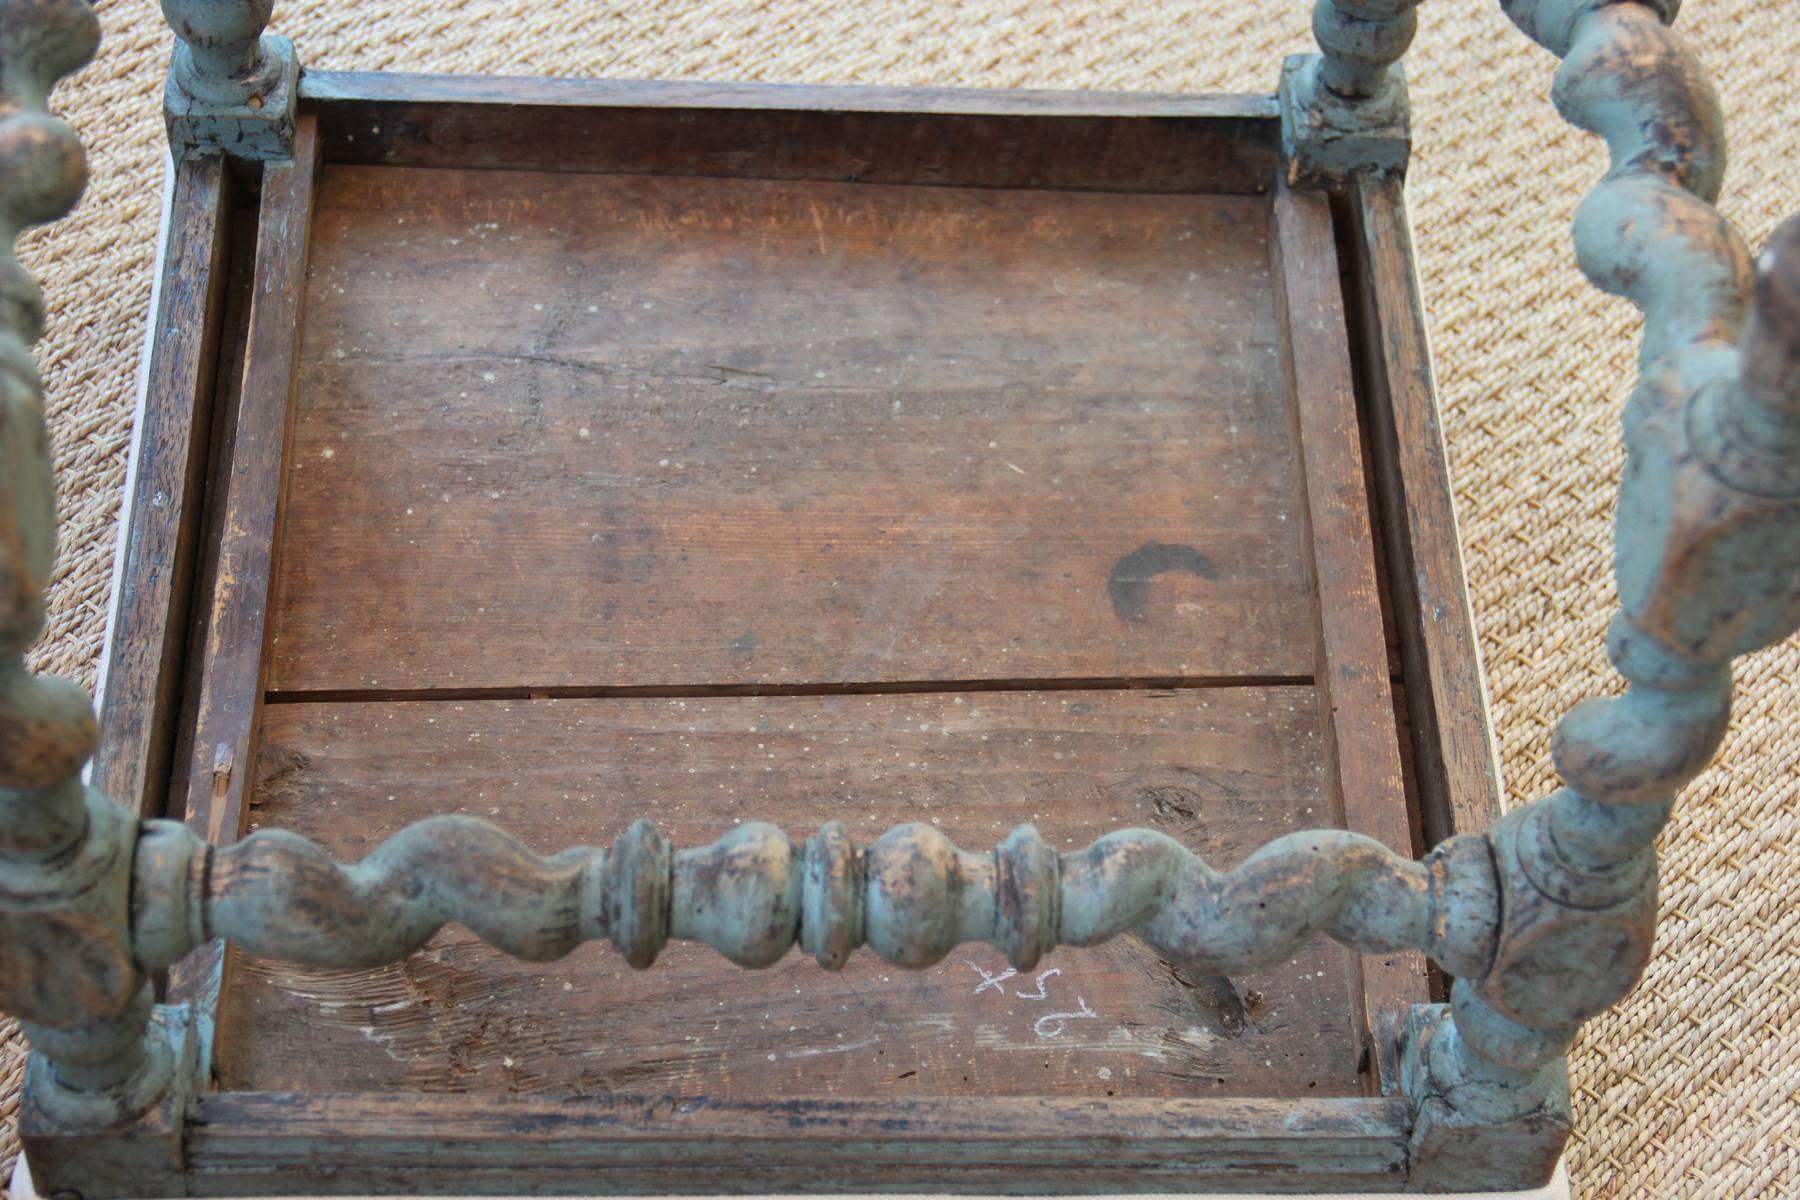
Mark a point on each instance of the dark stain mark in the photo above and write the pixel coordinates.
(1215, 998)
(1129, 583)
(743, 645)
(1081, 708)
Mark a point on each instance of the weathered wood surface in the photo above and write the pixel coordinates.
(1223, 771)
(257, 1143)
(1124, 142)
(227, 404)
(592, 433)
(155, 577)
(230, 685)
(1356, 703)
(1452, 737)
(1546, 920)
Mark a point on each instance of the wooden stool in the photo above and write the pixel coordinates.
(940, 522)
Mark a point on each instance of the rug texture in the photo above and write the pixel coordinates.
(1692, 1088)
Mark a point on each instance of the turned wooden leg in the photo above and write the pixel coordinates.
(232, 88)
(1344, 110)
(1707, 542)
(101, 1073)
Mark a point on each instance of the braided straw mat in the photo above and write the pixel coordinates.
(1692, 1087)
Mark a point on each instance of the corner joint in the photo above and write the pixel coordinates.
(1327, 138)
(232, 89)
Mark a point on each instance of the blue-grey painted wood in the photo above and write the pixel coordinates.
(1707, 559)
(232, 88)
(911, 897)
(1344, 109)
(66, 968)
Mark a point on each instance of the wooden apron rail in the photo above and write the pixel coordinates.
(1546, 919)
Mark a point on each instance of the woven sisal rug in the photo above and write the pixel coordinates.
(1692, 1088)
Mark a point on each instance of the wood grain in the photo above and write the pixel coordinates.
(227, 403)
(1447, 701)
(672, 440)
(154, 579)
(602, 432)
(259, 1144)
(232, 656)
(949, 137)
(1223, 771)
(1356, 699)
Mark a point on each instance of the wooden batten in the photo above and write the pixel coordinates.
(956, 138)
(229, 696)
(1352, 682)
(1447, 704)
(140, 708)
(258, 1144)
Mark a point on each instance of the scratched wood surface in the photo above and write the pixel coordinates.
(1095, 141)
(1447, 706)
(1356, 701)
(1223, 769)
(258, 1144)
(229, 689)
(589, 432)
(140, 708)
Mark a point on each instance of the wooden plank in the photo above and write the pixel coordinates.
(603, 432)
(1356, 700)
(228, 382)
(1223, 770)
(263, 1144)
(1109, 142)
(1459, 778)
(154, 579)
(222, 756)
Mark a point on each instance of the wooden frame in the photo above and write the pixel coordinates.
(1178, 143)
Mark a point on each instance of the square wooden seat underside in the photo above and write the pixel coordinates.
(968, 461)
